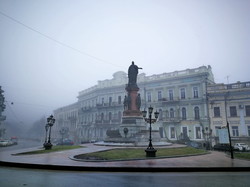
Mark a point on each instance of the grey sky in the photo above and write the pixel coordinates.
(61, 47)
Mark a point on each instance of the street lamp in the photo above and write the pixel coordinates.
(207, 135)
(50, 122)
(150, 151)
(46, 134)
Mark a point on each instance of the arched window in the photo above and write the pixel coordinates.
(184, 113)
(171, 113)
(196, 113)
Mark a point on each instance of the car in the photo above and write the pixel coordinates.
(14, 139)
(222, 147)
(241, 147)
(4, 143)
(66, 142)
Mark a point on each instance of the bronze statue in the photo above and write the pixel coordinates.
(125, 103)
(132, 74)
(138, 101)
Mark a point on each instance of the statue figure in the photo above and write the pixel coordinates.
(132, 74)
(138, 101)
(125, 103)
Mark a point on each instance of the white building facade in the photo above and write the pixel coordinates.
(179, 96)
(230, 103)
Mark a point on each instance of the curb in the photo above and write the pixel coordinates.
(125, 169)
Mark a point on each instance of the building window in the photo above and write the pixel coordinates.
(183, 93)
(171, 113)
(184, 113)
(248, 129)
(102, 101)
(161, 132)
(216, 111)
(110, 116)
(233, 111)
(184, 133)
(235, 130)
(172, 132)
(195, 92)
(149, 96)
(119, 99)
(247, 108)
(159, 95)
(198, 132)
(196, 113)
(171, 95)
(110, 101)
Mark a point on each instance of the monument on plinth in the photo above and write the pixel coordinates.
(132, 101)
(132, 120)
(133, 130)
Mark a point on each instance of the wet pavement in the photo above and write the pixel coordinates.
(50, 178)
(214, 161)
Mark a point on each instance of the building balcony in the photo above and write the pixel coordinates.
(112, 121)
(105, 105)
(171, 120)
(165, 101)
(86, 109)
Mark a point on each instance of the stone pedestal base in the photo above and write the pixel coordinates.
(150, 152)
(131, 126)
(47, 145)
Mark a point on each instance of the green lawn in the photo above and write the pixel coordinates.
(54, 149)
(243, 155)
(139, 153)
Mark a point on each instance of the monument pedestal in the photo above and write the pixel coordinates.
(150, 152)
(133, 130)
(131, 126)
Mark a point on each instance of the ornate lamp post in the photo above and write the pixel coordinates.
(50, 122)
(46, 135)
(150, 151)
(207, 133)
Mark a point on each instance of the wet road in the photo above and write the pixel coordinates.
(34, 177)
(22, 144)
(10, 176)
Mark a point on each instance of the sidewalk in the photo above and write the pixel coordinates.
(215, 161)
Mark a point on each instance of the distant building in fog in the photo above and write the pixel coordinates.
(179, 96)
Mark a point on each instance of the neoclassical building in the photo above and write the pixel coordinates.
(66, 118)
(230, 103)
(179, 96)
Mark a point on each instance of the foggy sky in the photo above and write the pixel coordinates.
(51, 50)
